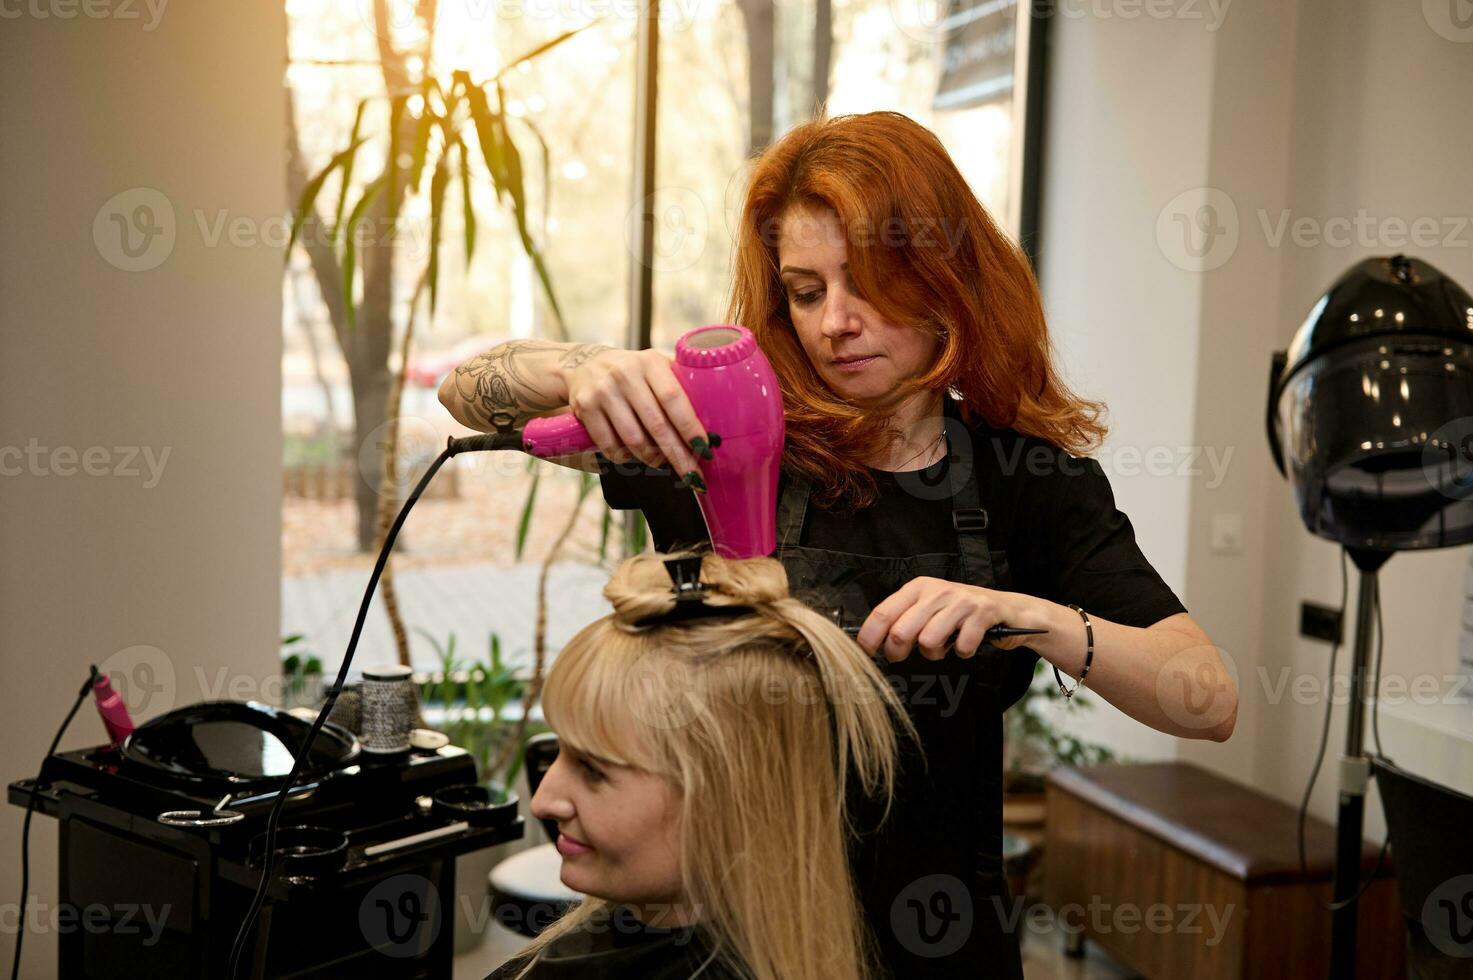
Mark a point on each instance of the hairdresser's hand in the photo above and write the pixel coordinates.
(928, 612)
(632, 406)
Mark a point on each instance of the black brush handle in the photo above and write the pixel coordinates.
(997, 632)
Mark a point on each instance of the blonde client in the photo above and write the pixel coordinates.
(716, 736)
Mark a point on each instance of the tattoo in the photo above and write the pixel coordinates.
(582, 353)
(501, 389)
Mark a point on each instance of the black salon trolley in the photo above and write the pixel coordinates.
(161, 839)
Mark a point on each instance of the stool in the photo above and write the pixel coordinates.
(1179, 872)
(527, 893)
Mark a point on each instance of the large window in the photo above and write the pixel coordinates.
(469, 559)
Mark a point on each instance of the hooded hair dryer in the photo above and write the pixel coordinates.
(735, 394)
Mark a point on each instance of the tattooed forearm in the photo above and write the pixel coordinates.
(581, 353)
(512, 382)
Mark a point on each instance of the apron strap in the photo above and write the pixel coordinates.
(968, 517)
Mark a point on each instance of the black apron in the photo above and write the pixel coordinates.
(931, 877)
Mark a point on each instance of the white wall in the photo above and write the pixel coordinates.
(1382, 124)
(176, 569)
(1315, 109)
(1127, 119)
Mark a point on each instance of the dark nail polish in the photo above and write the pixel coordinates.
(694, 481)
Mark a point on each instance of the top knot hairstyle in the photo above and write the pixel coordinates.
(758, 719)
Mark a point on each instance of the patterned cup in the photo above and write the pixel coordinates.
(388, 709)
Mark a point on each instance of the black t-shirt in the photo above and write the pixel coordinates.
(1052, 515)
(614, 945)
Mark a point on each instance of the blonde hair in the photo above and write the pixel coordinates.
(762, 779)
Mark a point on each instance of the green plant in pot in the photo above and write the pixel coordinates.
(469, 700)
(1034, 745)
(302, 672)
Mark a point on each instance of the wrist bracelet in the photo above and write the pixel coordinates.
(1089, 654)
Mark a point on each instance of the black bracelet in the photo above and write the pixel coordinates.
(1089, 654)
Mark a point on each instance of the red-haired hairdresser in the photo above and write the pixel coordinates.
(935, 484)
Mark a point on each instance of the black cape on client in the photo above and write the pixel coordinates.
(615, 946)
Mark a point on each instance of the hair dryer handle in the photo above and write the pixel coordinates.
(555, 435)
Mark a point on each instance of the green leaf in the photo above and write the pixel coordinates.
(634, 540)
(398, 105)
(540, 49)
(519, 210)
(468, 211)
(438, 181)
(605, 525)
(314, 187)
(546, 167)
(350, 247)
(337, 217)
(422, 126)
(524, 523)
(488, 135)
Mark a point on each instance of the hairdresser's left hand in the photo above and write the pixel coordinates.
(928, 612)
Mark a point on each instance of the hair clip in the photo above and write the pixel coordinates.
(690, 595)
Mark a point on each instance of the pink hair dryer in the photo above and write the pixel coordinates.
(735, 394)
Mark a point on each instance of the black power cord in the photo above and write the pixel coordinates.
(1329, 704)
(25, 833)
(1325, 734)
(505, 438)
